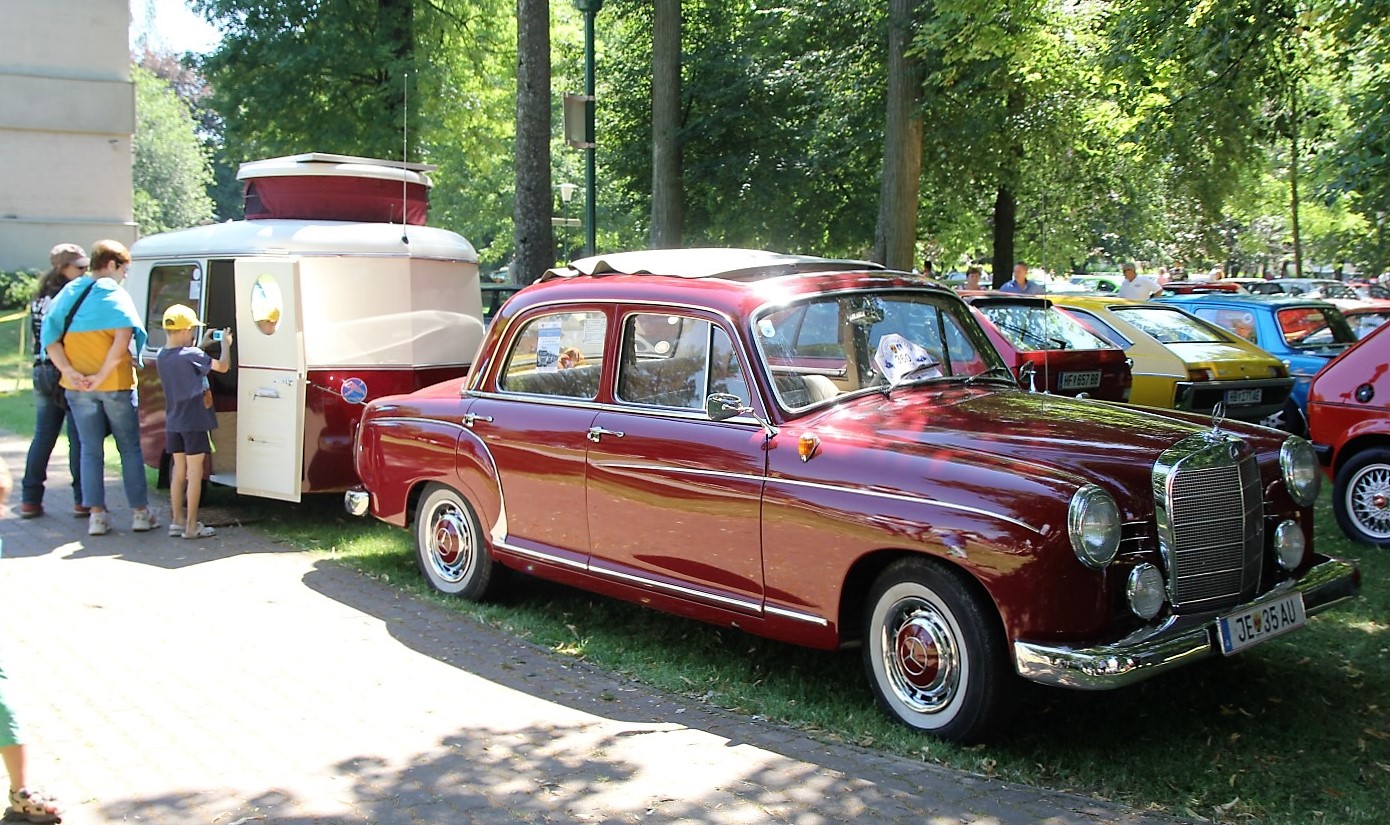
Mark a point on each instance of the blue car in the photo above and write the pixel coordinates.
(1304, 333)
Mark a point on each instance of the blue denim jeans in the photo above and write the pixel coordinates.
(48, 423)
(98, 413)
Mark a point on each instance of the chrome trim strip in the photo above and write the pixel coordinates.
(931, 502)
(819, 621)
(698, 595)
(501, 542)
(1154, 651)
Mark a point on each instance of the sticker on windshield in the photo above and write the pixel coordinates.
(766, 328)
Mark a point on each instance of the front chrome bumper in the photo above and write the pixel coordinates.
(357, 502)
(1156, 650)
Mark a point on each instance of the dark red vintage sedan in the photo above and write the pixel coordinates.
(830, 454)
(1049, 350)
(1349, 422)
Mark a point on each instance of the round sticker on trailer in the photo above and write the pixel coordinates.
(354, 391)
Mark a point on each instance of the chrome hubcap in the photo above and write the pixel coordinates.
(450, 544)
(921, 655)
(1368, 501)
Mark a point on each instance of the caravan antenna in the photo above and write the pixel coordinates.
(405, 155)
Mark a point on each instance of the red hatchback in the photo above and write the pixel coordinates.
(1349, 423)
(829, 454)
(1049, 350)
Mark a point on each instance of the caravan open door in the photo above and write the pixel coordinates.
(271, 379)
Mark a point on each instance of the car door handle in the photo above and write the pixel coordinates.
(471, 417)
(595, 433)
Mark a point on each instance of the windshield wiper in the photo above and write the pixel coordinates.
(993, 374)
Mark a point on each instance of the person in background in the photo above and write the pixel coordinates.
(69, 262)
(188, 418)
(25, 805)
(98, 369)
(1020, 283)
(1217, 273)
(972, 277)
(1137, 287)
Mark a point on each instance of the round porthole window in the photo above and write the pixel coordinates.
(266, 304)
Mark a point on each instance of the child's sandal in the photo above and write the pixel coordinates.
(32, 806)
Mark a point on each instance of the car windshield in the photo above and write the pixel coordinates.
(1170, 326)
(1314, 327)
(1335, 289)
(1363, 322)
(1033, 326)
(862, 339)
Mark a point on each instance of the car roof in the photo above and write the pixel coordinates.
(1273, 300)
(713, 262)
(735, 282)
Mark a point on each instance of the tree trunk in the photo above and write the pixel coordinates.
(1005, 224)
(396, 24)
(896, 233)
(668, 192)
(534, 207)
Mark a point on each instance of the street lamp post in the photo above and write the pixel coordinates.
(590, 8)
(566, 195)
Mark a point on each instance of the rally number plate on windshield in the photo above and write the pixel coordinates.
(1265, 621)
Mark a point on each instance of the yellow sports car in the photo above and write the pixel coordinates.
(1182, 362)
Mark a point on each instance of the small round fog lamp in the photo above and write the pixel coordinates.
(1288, 544)
(1145, 591)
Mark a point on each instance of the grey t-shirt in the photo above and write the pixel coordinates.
(181, 371)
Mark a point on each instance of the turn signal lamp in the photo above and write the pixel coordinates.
(806, 446)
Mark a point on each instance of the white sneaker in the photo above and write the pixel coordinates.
(176, 530)
(98, 524)
(144, 520)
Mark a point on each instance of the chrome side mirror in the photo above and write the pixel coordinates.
(721, 406)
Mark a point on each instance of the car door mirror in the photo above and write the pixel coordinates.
(721, 406)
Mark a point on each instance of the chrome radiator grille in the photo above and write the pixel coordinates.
(1211, 523)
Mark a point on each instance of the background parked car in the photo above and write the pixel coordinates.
(832, 455)
(1049, 350)
(1303, 333)
(1365, 318)
(1182, 362)
(494, 296)
(1349, 422)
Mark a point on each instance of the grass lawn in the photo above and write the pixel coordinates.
(1296, 730)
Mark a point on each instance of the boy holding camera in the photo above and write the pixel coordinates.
(189, 417)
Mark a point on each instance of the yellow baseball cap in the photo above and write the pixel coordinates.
(179, 317)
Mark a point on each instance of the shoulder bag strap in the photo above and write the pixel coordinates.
(67, 322)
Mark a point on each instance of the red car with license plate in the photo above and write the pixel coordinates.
(1349, 423)
(834, 455)
(1049, 350)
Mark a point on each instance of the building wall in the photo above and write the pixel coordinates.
(67, 118)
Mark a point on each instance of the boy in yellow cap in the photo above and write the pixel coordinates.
(188, 419)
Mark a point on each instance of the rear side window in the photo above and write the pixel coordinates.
(558, 355)
(169, 285)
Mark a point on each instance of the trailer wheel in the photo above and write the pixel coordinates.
(449, 546)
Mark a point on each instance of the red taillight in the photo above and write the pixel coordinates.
(1200, 375)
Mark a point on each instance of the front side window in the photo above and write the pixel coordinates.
(676, 361)
(559, 355)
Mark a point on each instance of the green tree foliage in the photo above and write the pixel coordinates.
(171, 169)
(781, 123)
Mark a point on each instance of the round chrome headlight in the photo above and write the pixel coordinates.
(1145, 591)
(1289, 545)
(1093, 522)
(1302, 476)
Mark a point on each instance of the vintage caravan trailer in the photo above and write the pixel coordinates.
(334, 300)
